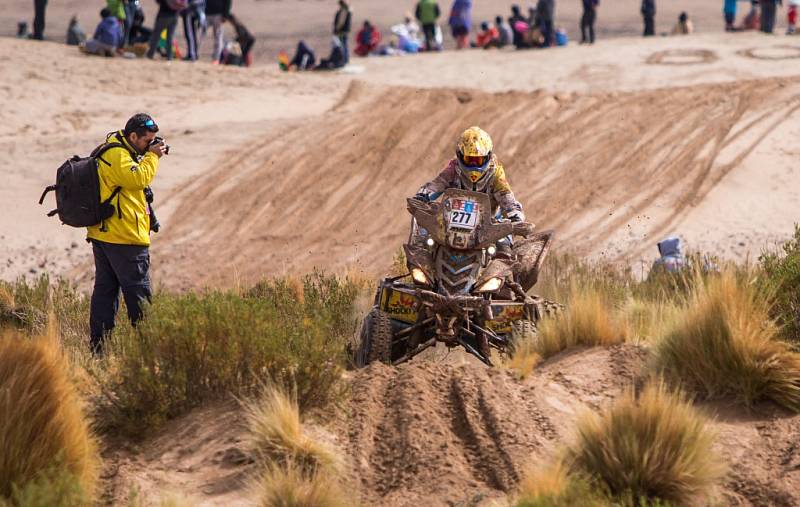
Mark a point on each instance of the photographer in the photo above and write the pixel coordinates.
(121, 243)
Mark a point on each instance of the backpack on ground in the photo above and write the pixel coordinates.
(77, 190)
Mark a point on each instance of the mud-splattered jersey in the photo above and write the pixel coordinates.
(498, 188)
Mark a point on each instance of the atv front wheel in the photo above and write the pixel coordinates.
(376, 339)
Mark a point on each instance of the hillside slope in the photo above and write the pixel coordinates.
(611, 172)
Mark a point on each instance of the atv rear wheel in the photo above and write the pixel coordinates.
(376, 339)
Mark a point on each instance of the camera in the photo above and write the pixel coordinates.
(158, 140)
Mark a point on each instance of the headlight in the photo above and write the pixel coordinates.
(418, 276)
(491, 250)
(491, 285)
(430, 242)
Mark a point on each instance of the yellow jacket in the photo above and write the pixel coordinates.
(130, 224)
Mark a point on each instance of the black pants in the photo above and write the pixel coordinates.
(191, 25)
(547, 32)
(587, 25)
(38, 21)
(304, 58)
(429, 29)
(767, 16)
(169, 21)
(649, 25)
(117, 267)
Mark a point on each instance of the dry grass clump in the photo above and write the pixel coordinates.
(589, 320)
(725, 345)
(291, 487)
(654, 447)
(45, 442)
(299, 471)
(556, 486)
(277, 436)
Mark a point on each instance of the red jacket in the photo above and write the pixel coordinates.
(364, 47)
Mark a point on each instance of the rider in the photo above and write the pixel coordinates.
(476, 168)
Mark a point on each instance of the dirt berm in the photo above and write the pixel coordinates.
(436, 432)
(609, 171)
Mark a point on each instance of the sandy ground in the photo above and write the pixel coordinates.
(614, 146)
(448, 432)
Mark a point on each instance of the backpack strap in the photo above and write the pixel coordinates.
(47, 190)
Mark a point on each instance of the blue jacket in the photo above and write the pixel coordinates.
(461, 15)
(109, 32)
(730, 6)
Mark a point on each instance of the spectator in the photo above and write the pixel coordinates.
(729, 10)
(166, 19)
(505, 34)
(244, 38)
(649, 15)
(130, 6)
(121, 244)
(194, 20)
(461, 22)
(520, 27)
(671, 258)
(107, 37)
(428, 14)
(791, 17)
(768, 8)
(341, 26)
(367, 39)
(407, 34)
(75, 34)
(488, 37)
(545, 11)
(216, 12)
(40, 6)
(118, 10)
(753, 19)
(336, 60)
(139, 34)
(587, 21)
(304, 57)
(684, 26)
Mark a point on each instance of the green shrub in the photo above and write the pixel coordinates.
(193, 347)
(782, 273)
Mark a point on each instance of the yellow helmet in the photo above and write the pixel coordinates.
(474, 154)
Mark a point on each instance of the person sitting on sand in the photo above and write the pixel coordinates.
(367, 39)
(504, 31)
(519, 26)
(672, 259)
(337, 59)
(107, 37)
(684, 26)
(487, 37)
(244, 38)
(304, 58)
(75, 34)
(139, 33)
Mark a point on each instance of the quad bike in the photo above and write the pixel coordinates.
(468, 287)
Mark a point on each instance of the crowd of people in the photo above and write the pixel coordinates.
(762, 15)
(122, 30)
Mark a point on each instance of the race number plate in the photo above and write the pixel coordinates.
(464, 214)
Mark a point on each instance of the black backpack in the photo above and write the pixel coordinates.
(77, 190)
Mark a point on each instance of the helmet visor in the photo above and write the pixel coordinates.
(474, 160)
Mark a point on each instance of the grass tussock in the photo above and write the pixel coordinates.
(590, 319)
(291, 487)
(49, 456)
(298, 470)
(782, 270)
(556, 486)
(655, 446)
(277, 434)
(724, 345)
